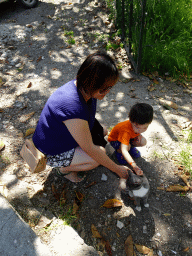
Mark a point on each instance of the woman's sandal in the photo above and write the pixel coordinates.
(80, 175)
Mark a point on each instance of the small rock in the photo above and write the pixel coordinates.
(37, 187)
(104, 177)
(18, 65)
(144, 229)
(156, 107)
(120, 224)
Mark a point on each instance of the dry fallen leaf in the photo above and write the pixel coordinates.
(2, 145)
(167, 214)
(26, 117)
(40, 58)
(55, 192)
(168, 103)
(110, 203)
(177, 188)
(1, 81)
(91, 184)
(75, 208)
(117, 234)
(155, 81)
(101, 243)
(63, 197)
(186, 249)
(150, 253)
(151, 88)
(79, 196)
(29, 85)
(160, 188)
(129, 250)
(108, 248)
(143, 249)
(29, 131)
(185, 179)
(95, 232)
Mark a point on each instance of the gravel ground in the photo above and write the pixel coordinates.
(36, 57)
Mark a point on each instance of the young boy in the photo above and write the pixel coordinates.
(125, 136)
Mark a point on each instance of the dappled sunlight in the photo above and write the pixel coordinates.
(55, 74)
(165, 226)
(47, 62)
(119, 96)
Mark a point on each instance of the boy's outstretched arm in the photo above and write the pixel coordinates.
(129, 159)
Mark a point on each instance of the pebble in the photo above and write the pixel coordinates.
(144, 229)
(120, 224)
(156, 107)
(104, 177)
(18, 65)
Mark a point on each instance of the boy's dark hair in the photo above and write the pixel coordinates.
(141, 113)
(96, 72)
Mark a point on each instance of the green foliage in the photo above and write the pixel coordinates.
(185, 156)
(168, 37)
(167, 42)
(68, 33)
(113, 46)
(111, 7)
(71, 41)
(189, 137)
(68, 217)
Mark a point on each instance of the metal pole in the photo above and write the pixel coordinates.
(123, 19)
(141, 38)
(130, 25)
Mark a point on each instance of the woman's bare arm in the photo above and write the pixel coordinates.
(80, 131)
(125, 152)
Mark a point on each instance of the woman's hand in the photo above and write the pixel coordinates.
(138, 170)
(123, 172)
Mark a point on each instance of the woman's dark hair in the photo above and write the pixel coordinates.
(96, 72)
(141, 113)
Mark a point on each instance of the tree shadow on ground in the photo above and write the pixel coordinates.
(155, 227)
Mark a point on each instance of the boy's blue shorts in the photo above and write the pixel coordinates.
(115, 144)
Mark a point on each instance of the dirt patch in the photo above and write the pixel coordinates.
(38, 57)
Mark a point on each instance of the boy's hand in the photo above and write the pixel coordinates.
(138, 170)
(123, 172)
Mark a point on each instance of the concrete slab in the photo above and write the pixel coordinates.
(16, 237)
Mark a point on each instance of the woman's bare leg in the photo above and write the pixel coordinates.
(81, 162)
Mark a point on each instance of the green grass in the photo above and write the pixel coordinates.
(168, 37)
(167, 42)
(71, 41)
(68, 217)
(69, 33)
(185, 155)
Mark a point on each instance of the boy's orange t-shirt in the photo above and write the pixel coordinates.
(122, 132)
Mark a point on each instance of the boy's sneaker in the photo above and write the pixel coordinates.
(134, 152)
(120, 158)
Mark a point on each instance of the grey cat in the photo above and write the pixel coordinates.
(139, 193)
